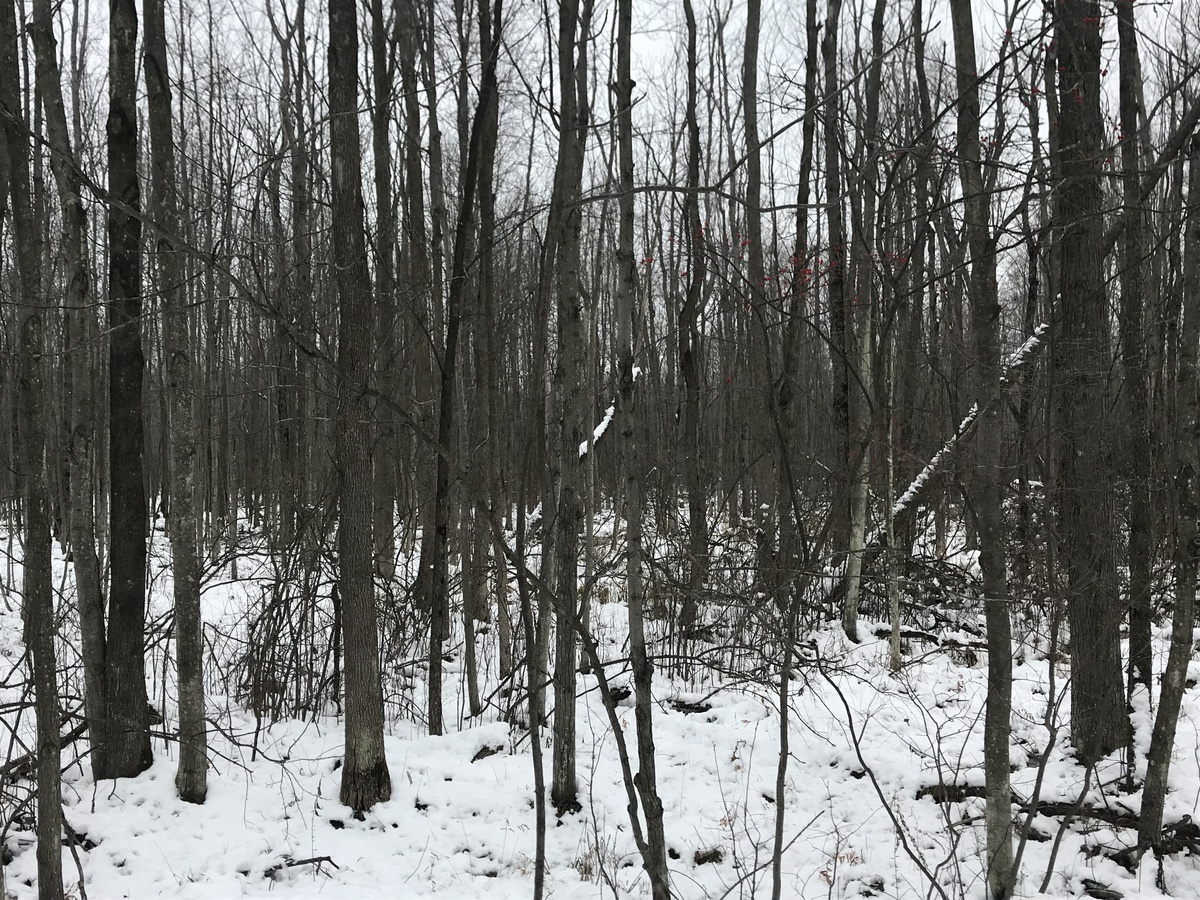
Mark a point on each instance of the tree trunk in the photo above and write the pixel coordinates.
(631, 464)
(122, 749)
(365, 776)
(489, 348)
(1186, 507)
(691, 365)
(81, 330)
(191, 780)
(839, 349)
(385, 326)
(1133, 361)
(570, 378)
(987, 478)
(863, 308)
(1099, 724)
(463, 234)
(792, 546)
(32, 402)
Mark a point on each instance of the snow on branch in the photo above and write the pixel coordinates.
(599, 431)
(1018, 359)
(605, 422)
(934, 464)
(1024, 353)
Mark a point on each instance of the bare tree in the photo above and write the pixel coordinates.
(1133, 356)
(121, 743)
(632, 464)
(1085, 503)
(37, 606)
(793, 543)
(839, 349)
(80, 324)
(574, 27)
(192, 778)
(860, 320)
(690, 350)
(987, 478)
(383, 66)
(365, 776)
(1185, 497)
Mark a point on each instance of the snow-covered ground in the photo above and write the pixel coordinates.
(461, 819)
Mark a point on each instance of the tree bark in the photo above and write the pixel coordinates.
(365, 776)
(574, 22)
(690, 352)
(32, 402)
(1186, 508)
(792, 546)
(836, 255)
(1085, 504)
(1133, 361)
(81, 330)
(631, 464)
(861, 333)
(382, 69)
(463, 234)
(191, 779)
(987, 477)
(122, 748)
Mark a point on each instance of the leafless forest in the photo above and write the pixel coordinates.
(843, 315)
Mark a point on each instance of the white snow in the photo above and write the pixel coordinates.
(934, 464)
(1022, 354)
(458, 828)
(598, 432)
(1016, 359)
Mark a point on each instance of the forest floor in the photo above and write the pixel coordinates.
(865, 746)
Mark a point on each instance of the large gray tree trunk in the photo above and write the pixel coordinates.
(365, 776)
(81, 330)
(691, 366)
(987, 479)
(382, 70)
(861, 333)
(1085, 504)
(191, 779)
(839, 349)
(570, 379)
(1186, 510)
(632, 465)
(37, 607)
(1139, 446)
(122, 746)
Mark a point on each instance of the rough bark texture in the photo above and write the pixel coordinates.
(489, 346)
(655, 857)
(570, 377)
(839, 349)
(860, 323)
(365, 777)
(1133, 360)
(382, 69)
(690, 351)
(122, 748)
(987, 478)
(447, 424)
(1085, 499)
(792, 544)
(191, 779)
(1186, 509)
(37, 607)
(81, 330)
